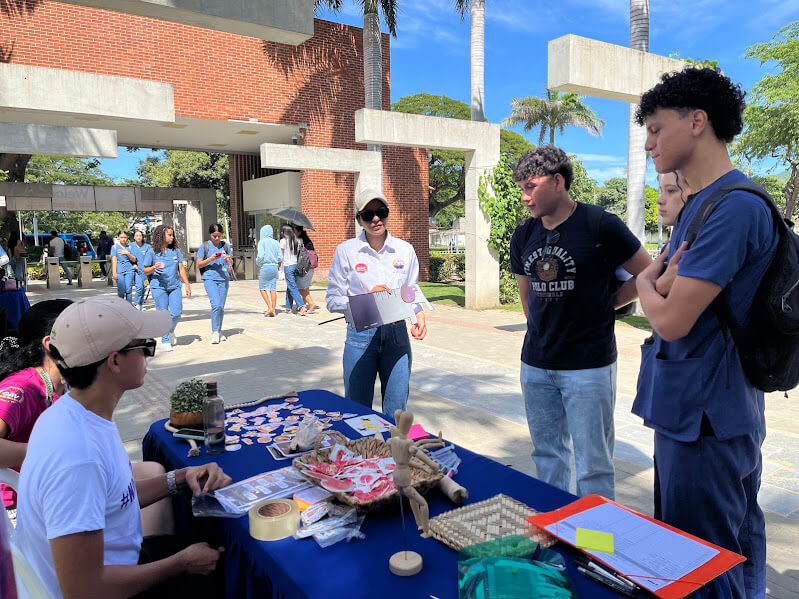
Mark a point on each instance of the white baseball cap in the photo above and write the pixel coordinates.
(92, 329)
(367, 196)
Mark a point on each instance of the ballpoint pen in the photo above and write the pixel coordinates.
(601, 571)
(606, 581)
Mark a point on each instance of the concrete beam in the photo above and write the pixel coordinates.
(284, 21)
(20, 138)
(418, 131)
(480, 144)
(41, 89)
(366, 165)
(593, 68)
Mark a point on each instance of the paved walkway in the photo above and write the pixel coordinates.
(464, 382)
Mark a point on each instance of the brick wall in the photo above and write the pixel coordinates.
(218, 75)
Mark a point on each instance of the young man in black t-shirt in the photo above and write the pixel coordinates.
(565, 259)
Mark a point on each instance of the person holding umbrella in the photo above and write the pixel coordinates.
(304, 282)
(375, 261)
(291, 248)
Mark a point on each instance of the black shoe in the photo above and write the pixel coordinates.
(69, 283)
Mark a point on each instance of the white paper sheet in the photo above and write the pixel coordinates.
(642, 548)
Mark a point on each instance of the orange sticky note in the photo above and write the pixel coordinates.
(594, 540)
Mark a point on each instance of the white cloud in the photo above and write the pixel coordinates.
(603, 158)
(603, 174)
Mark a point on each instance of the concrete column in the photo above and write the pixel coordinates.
(482, 263)
(53, 274)
(84, 271)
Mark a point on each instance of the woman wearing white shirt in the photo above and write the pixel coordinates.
(375, 261)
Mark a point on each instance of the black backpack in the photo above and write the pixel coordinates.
(768, 342)
(303, 262)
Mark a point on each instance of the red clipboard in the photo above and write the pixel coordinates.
(723, 561)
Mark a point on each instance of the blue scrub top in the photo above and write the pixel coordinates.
(124, 264)
(168, 278)
(701, 373)
(214, 271)
(141, 254)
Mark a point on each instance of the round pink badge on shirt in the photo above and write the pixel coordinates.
(360, 268)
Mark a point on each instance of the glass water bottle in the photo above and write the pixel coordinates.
(214, 419)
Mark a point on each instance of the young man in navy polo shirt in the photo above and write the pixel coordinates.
(708, 418)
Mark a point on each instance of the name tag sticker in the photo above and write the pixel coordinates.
(361, 268)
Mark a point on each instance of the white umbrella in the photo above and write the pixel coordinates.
(293, 216)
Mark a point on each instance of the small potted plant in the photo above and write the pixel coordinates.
(186, 404)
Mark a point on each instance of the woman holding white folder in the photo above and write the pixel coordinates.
(375, 261)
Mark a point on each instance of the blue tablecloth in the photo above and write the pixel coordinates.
(15, 303)
(300, 568)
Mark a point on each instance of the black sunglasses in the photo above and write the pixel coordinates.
(148, 346)
(367, 215)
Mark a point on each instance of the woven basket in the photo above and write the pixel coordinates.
(367, 447)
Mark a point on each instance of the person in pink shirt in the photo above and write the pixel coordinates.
(29, 383)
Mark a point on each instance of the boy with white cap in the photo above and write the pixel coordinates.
(78, 517)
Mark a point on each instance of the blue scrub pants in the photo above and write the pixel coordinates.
(217, 294)
(125, 285)
(385, 350)
(572, 403)
(17, 265)
(138, 280)
(292, 293)
(709, 488)
(171, 300)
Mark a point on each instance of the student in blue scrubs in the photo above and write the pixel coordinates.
(708, 418)
(122, 264)
(140, 250)
(165, 264)
(214, 257)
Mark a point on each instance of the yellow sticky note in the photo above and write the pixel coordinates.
(594, 540)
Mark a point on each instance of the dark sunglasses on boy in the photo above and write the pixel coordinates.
(148, 346)
(367, 215)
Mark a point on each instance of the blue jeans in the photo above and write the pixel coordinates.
(17, 265)
(386, 351)
(138, 281)
(709, 488)
(576, 403)
(67, 269)
(292, 293)
(217, 294)
(125, 285)
(171, 300)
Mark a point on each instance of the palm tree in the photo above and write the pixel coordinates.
(372, 46)
(477, 10)
(636, 138)
(555, 112)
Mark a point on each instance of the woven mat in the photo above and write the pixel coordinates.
(485, 521)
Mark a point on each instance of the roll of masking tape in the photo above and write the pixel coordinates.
(274, 519)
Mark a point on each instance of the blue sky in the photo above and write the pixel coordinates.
(431, 54)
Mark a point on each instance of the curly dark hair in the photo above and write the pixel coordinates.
(544, 160)
(35, 324)
(697, 88)
(159, 239)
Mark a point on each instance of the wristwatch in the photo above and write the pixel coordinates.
(171, 485)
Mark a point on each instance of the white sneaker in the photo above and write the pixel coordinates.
(139, 307)
(173, 339)
(214, 338)
(166, 346)
(222, 337)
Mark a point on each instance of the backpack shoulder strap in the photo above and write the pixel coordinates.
(595, 214)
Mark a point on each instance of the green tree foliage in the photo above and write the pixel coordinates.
(612, 196)
(553, 113)
(771, 116)
(73, 171)
(584, 187)
(710, 64)
(177, 168)
(774, 186)
(447, 181)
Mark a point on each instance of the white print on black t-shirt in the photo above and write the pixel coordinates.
(552, 272)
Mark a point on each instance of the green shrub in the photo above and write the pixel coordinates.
(508, 289)
(437, 262)
(459, 264)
